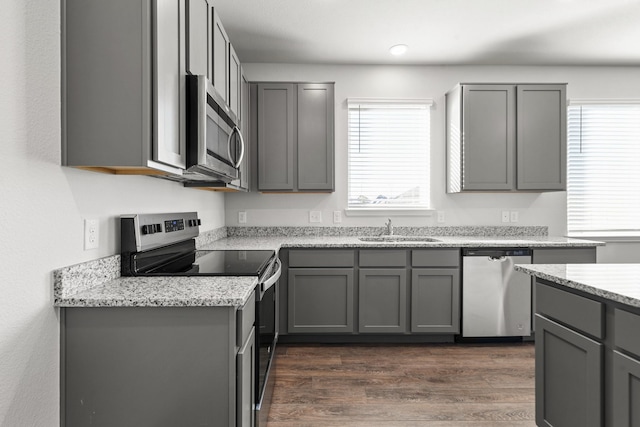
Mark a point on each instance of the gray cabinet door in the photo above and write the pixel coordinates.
(382, 300)
(220, 56)
(435, 300)
(245, 166)
(626, 391)
(564, 255)
(169, 83)
(197, 37)
(320, 300)
(315, 137)
(568, 377)
(245, 382)
(235, 80)
(276, 118)
(542, 137)
(488, 149)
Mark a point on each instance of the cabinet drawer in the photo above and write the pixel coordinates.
(578, 312)
(321, 258)
(627, 326)
(383, 258)
(435, 258)
(245, 318)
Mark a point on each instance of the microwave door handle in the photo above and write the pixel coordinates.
(236, 164)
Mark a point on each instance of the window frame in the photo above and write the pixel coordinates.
(352, 210)
(610, 234)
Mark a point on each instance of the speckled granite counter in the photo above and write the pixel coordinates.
(615, 282)
(277, 242)
(98, 283)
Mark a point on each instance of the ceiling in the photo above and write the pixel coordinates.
(438, 32)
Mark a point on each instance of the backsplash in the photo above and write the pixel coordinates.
(478, 231)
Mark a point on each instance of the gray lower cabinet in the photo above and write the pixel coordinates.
(320, 300)
(435, 300)
(384, 291)
(506, 137)
(246, 381)
(123, 74)
(564, 255)
(626, 390)
(382, 300)
(295, 137)
(157, 366)
(569, 386)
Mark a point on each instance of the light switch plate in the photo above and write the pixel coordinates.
(505, 216)
(337, 217)
(440, 217)
(514, 216)
(242, 217)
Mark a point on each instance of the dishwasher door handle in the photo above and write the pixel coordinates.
(498, 258)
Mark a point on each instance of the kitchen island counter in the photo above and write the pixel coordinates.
(615, 282)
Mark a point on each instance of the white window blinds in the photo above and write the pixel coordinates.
(603, 171)
(389, 154)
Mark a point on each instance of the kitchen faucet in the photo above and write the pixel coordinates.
(389, 227)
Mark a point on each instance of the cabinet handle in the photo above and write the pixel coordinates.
(236, 164)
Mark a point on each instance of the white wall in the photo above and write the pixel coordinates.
(425, 82)
(42, 207)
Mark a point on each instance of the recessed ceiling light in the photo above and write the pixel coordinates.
(399, 49)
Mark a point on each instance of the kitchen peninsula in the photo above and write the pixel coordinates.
(587, 344)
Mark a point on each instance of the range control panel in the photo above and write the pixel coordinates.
(148, 231)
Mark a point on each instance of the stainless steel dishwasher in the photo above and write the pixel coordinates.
(496, 300)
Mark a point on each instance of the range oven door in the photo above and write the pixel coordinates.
(215, 146)
(266, 337)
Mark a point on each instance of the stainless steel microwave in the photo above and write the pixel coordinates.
(215, 147)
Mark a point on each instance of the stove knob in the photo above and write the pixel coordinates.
(148, 229)
(158, 228)
(199, 222)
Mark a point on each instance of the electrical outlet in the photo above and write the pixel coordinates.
(242, 217)
(337, 217)
(505, 216)
(514, 216)
(315, 216)
(441, 217)
(91, 234)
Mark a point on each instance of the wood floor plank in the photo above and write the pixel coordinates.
(430, 385)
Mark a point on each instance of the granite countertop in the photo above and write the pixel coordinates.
(615, 282)
(278, 242)
(98, 283)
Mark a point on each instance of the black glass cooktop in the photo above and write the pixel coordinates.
(214, 263)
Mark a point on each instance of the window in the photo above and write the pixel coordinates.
(389, 154)
(603, 168)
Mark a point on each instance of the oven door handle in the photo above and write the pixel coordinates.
(273, 278)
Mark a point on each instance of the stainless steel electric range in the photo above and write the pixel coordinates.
(164, 245)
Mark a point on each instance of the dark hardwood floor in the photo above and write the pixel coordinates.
(431, 385)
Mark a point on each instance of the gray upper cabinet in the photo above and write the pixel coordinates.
(506, 137)
(220, 57)
(542, 137)
(276, 115)
(123, 68)
(315, 137)
(295, 137)
(235, 83)
(199, 37)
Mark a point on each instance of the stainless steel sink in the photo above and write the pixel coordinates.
(398, 239)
